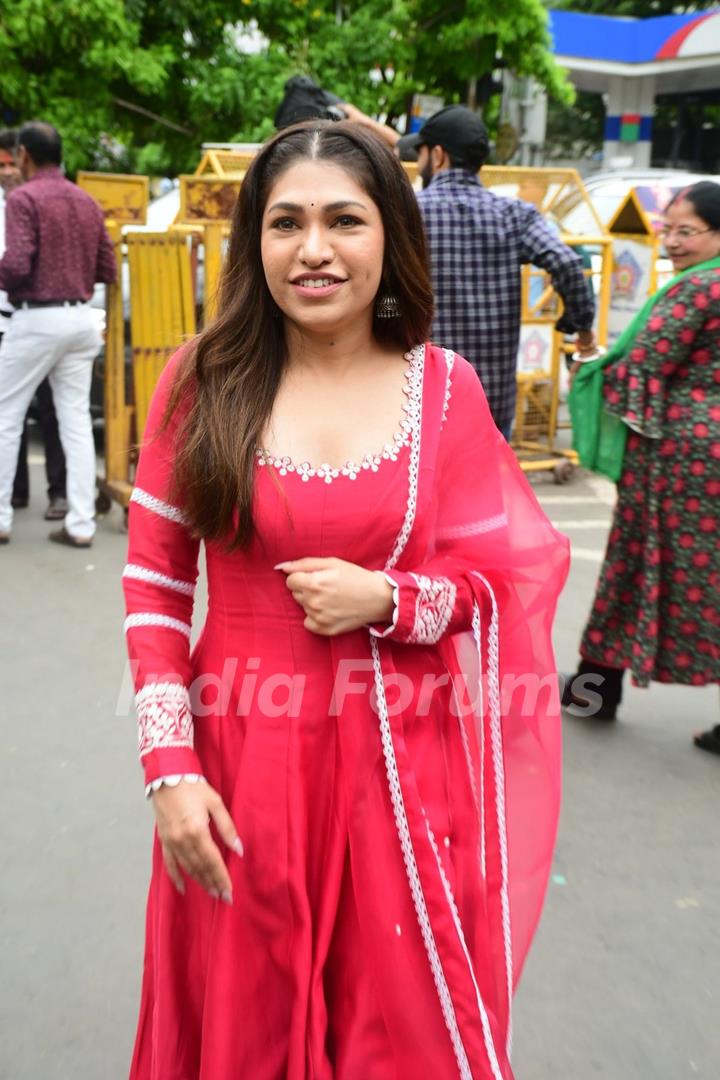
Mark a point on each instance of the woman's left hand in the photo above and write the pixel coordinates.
(338, 596)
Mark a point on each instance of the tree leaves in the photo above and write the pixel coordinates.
(638, 8)
(216, 70)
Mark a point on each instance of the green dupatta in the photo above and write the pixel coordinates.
(599, 436)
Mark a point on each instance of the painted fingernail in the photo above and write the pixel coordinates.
(238, 846)
(214, 893)
(226, 896)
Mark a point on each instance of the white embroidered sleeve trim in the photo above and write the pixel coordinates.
(157, 506)
(396, 610)
(172, 781)
(164, 717)
(434, 607)
(141, 573)
(151, 618)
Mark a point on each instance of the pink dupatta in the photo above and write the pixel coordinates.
(472, 529)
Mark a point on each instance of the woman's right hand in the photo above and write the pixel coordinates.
(183, 816)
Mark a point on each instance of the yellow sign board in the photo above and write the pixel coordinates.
(207, 199)
(234, 163)
(123, 199)
(635, 250)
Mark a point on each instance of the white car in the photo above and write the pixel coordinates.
(608, 189)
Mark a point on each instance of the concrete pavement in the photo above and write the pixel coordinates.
(623, 982)
(624, 979)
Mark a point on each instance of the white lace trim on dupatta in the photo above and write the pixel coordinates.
(413, 874)
(414, 407)
(396, 795)
(472, 528)
(480, 708)
(484, 1021)
(498, 764)
(164, 717)
(450, 361)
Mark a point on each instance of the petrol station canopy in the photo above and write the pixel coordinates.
(635, 60)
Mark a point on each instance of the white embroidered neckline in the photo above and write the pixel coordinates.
(371, 462)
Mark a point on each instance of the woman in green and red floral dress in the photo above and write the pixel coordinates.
(656, 607)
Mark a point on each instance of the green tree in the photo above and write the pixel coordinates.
(58, 61)
(481, 36)
(139, 84)
(413, 46)
(129, 84)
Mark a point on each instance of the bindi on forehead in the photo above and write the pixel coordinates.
(329, 208)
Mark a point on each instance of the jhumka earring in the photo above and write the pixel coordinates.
(387, 307)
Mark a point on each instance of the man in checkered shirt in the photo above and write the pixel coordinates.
(478, 241)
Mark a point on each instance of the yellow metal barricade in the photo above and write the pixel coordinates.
(123, 198)
(162, 310)
(541, 363)
(162, 317)
(115, 484)
(226, 160)
(541, 355)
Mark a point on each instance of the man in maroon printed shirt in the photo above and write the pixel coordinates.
(56, 248)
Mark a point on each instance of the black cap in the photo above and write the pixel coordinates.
(459, 131)
(406, 147)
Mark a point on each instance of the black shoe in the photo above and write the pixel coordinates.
(709, 740)
(19, 503)
(578, 705)
(57, 510)
(62, 536)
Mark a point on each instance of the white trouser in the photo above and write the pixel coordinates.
(59, 342)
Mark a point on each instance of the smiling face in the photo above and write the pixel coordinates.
(322, 245)
(687, 237)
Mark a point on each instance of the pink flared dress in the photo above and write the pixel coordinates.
(396, 788)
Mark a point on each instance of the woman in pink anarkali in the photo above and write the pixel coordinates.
(356, 770)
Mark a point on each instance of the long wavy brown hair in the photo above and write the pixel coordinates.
(231, 373)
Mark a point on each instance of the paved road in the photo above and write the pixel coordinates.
(624, 980)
